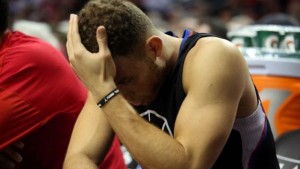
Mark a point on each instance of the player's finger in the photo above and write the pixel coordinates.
(13, 155)
(102, 40)
(19, 144)
(6, 163)
(68, 43)
(75, 40)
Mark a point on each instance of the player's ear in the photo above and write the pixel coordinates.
(154, 47)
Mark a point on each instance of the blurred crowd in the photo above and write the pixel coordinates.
(212, 16)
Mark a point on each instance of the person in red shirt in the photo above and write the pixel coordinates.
(40, 99)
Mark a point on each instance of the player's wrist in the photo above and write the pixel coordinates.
(102, 90)
(102, 102)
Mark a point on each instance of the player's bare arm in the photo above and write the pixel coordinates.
(214, 77)
(91, 138)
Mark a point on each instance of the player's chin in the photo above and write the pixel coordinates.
(147, 102)
(139, 103)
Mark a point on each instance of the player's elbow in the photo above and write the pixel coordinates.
(78, 161)
(69, 160)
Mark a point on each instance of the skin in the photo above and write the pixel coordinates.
(215, 79)
(9, 157)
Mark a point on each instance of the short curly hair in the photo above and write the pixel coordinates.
(126, 25)
(4, 11)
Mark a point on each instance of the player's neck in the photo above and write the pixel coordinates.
(171, 48)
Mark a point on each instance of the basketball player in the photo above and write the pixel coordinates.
(174, 102)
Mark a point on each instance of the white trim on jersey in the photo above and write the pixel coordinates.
(251, 129)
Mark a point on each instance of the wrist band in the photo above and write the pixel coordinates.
(109, 96)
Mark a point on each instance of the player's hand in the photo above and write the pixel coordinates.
(96, 70)
(9, 157)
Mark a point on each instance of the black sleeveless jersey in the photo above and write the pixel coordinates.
(250, 144)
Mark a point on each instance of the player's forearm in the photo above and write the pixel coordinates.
(149, 146)
(79, 161)
(91, 138)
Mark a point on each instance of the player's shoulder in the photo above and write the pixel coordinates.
(216, 45)
(214, 50)
(214, 57)
(29, 45)
(25, 49)
(214, 65)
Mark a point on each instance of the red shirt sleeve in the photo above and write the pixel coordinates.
(36, 85)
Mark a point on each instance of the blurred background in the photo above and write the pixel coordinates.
(216, 16)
